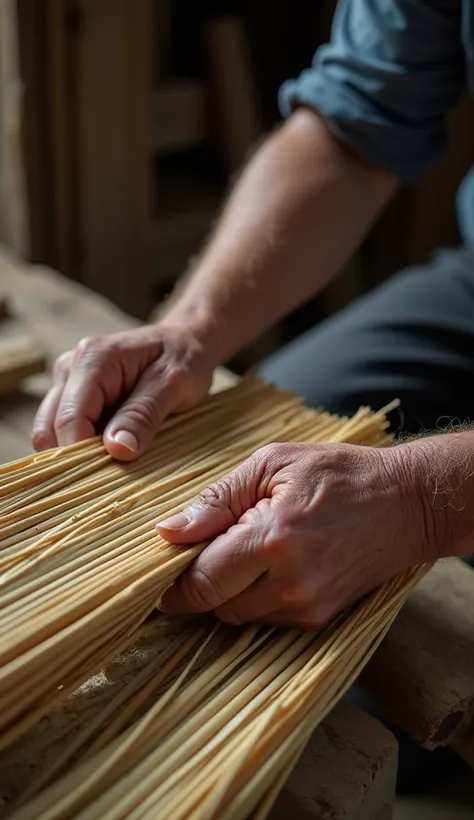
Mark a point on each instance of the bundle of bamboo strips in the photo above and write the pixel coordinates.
(216, 729)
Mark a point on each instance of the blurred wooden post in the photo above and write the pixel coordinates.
(236, 101)
(115, 85)
(60, 67)
(13, 209)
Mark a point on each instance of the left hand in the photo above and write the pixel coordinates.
(300, 531)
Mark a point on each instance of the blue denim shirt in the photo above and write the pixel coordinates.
(387, 79)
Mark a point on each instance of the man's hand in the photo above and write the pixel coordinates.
(300, 532)
(128, 382)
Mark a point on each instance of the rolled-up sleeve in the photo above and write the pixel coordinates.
(384, 83)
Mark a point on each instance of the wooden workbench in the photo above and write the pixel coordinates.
(57, 312)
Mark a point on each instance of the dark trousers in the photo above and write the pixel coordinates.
(412, 338)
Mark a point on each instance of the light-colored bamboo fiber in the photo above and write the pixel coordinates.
(214, 731)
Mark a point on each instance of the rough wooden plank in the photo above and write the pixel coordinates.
(19, 358)
(13, 206)
(347, 772)
(115, 149)
(423, 673)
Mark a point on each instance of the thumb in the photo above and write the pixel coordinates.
(218, 507)
(133, 427)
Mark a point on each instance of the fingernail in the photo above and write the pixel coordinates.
(127, 440)
(176, 522)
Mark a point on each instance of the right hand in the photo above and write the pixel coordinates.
(137, 378)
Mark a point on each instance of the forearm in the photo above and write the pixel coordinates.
(297, 214)
(442, 467)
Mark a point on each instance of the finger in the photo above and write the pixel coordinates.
(259, 600)
(133, 427)
(304, 618)
(227, 567)
(43, 434)
(80, 406)
(287, 587)
(218, 507)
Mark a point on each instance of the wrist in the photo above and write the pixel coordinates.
(425, 526)
(442, 468)
(198, 321)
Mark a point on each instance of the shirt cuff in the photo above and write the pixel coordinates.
(404, 149)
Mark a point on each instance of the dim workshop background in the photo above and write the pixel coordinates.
(121, 125)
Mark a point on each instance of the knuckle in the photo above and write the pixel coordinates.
(143, 411)
(280, 538)
(41, 438)
(89, 343)
(277, 454)
(269, 452)
(92, 349)
(202, 590)
(62, 364)
(252, 520)
(66, 416)
(217, 495)
(176, 375)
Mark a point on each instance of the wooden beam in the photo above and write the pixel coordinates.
(115, 82)
(63, 29)
(37, 153)
(13, 206)
(238, 116)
